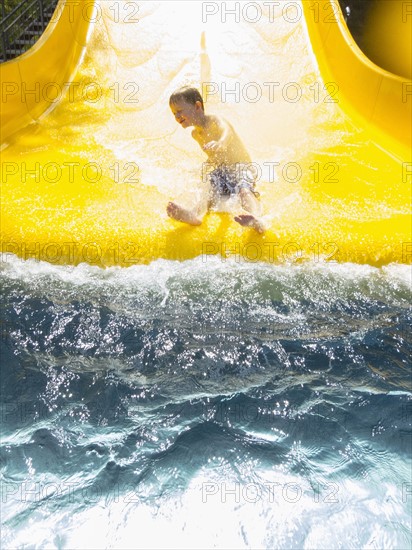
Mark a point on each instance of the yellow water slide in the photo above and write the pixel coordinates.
(91, 153)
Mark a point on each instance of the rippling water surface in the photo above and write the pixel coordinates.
(206, 403)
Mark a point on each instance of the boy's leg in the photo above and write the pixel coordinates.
(251, 205)
(192, 216)
(249, 201)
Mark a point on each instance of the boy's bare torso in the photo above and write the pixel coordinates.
(232, 153)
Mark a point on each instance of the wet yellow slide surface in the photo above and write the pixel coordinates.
(92, 154)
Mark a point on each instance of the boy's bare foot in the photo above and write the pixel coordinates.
(248, 220)
(182, 214)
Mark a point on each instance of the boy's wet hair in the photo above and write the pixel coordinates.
(191, 95)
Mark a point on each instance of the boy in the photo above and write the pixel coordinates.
(231, 174)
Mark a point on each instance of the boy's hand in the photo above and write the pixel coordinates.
(212, 146)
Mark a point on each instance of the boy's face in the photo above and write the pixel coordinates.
(186, 114)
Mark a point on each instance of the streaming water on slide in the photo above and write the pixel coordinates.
(102, 167)
(204, 403)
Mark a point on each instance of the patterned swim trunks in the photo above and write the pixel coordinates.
(229, 179)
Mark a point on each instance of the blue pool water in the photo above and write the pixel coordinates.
(206, 404)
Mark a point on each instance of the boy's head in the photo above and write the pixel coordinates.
(187, 106)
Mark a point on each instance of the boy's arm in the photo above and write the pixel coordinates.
(227, 132)
(225, 136)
